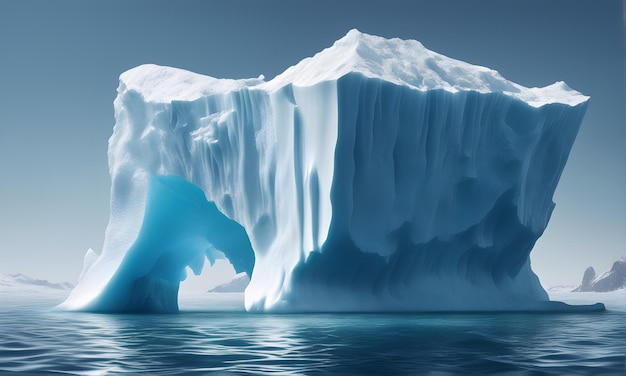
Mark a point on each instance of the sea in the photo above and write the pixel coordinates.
(214, 335)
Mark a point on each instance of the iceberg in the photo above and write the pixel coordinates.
(376, 175)
(237, 284)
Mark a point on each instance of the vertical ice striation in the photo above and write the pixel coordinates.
(376, 175)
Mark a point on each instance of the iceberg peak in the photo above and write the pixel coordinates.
(409, 63)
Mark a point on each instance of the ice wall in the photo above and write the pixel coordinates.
(376, 175)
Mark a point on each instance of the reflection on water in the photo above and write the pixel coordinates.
(221, 337)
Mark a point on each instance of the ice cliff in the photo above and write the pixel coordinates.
(376, 175)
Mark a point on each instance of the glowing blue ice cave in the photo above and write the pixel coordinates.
(180, 229)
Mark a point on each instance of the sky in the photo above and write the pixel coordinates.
(60, 62)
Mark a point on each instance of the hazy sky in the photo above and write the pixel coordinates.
(60, 62)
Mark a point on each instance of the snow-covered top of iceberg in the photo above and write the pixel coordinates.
(402, 62)
(409, 63)
(166, 84)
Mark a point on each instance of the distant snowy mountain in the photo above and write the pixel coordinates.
(238, 284)
(559, 288)
(610, 280)
(21, 281)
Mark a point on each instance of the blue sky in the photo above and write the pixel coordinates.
(60, 62)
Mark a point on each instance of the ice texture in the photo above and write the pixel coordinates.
(375, 176)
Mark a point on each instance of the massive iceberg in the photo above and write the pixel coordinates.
(376, 175)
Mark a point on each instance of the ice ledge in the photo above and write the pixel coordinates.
(162, 84)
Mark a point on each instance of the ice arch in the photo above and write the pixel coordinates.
(180, 229)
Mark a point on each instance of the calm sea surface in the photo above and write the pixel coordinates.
(214, 335)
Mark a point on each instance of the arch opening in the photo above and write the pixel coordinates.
(180, 229)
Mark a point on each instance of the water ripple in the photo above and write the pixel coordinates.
(37, 340)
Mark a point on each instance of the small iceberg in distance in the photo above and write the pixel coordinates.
(237, 284)
(376, 175)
